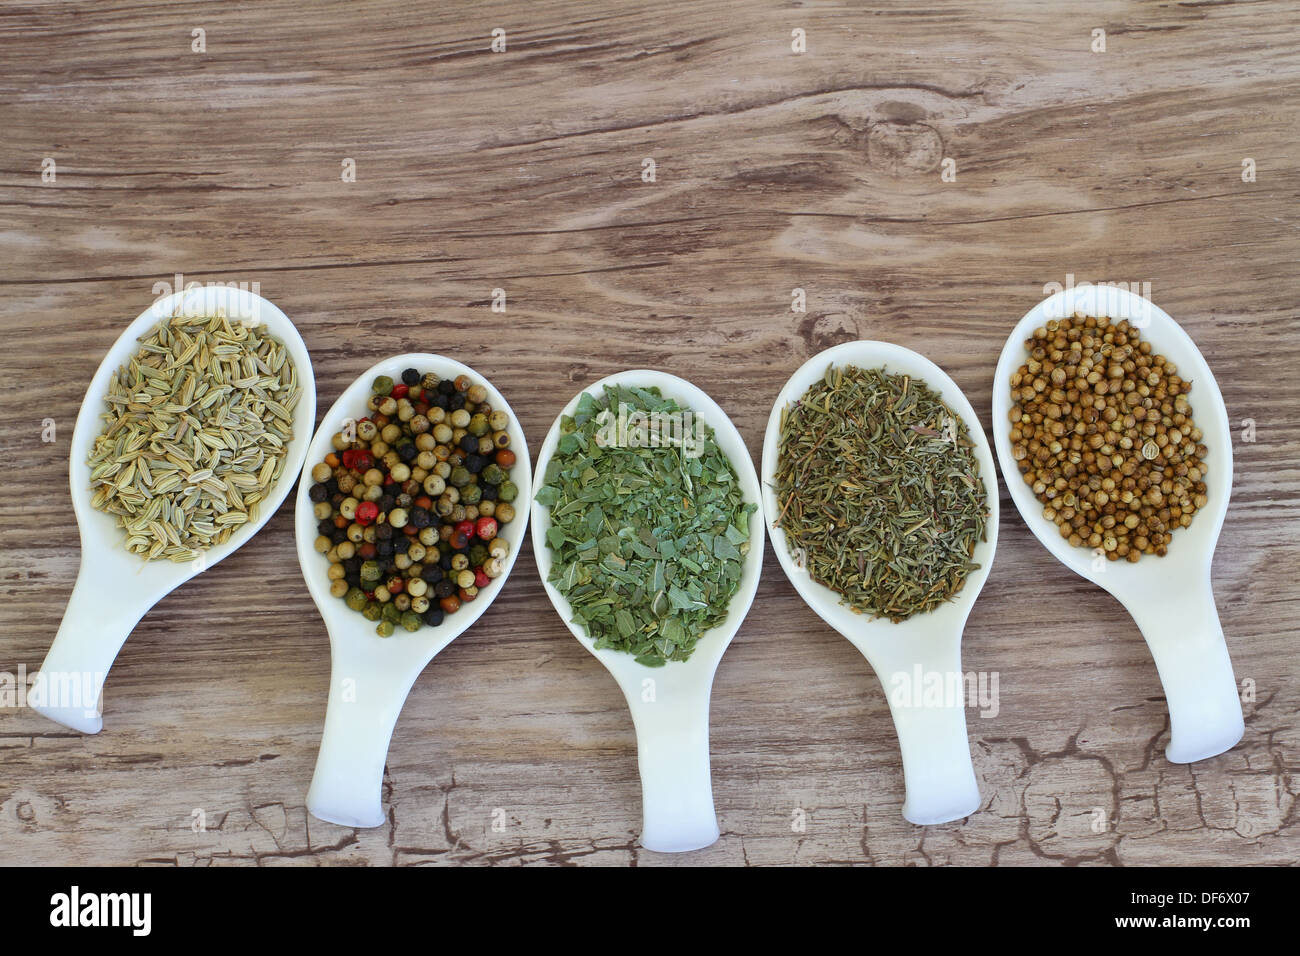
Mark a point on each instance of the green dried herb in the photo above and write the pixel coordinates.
(649, 526)
(879, 492)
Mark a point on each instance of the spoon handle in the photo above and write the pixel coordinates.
(1183, 632)
(365, 698)
(672, 740)
(924, 685)
(95, 625)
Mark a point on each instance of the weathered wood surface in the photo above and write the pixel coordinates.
(522, 171)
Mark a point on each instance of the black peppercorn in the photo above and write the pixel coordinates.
(456, 401)
(488, 490)
(445, 561)
(387, 501)
(339, 535)
(401, 544)
(469, 443)
(331, 487)
(421, 518)
(445, 588)
(383, 532)
(440, 400)
(352, 564)
(432, 573)
(433, 616)
(411, 377)
(384, 549)
(447, 386)
(407, 452)
(475, 463)
(318, 493)
(326, 528)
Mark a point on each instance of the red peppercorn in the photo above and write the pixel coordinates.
(505, 458)
(486, 528)
(458, 540)
(340, 522)
(450, 604)
(465, 596)
(366, 550)
(400, 390)
(465, 527)
(480, 578)
(425, 502)
(396, 584)
(349, 458)
(362, 460)
(367, 512)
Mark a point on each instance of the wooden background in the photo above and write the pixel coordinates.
(522, 170)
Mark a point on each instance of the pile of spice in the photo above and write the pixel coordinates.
(879, 492)
(649, 525)
(1102, 432)
(197, 428)
(410, 505)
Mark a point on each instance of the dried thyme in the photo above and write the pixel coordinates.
(196, 432)
(649, 524)
(879, 492)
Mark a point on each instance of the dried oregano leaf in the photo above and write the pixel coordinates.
(649, 525)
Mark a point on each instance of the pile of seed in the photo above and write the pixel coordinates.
(1102, 432)
(410, 501)
(197, 427)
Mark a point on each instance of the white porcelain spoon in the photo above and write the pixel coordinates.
(1170, 598)
(370, 676)
(669, 704)
(115, 588)
(924, 651)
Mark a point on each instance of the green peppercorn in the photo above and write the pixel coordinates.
(493, 474)
(382, 385)
(471, 494)
(390, 613)
(460, 476)
(371, 571)
(507, 491)
(355, 599)
(478, 426)
(478, 553)
(384, 628)
(373, 611)
(411, 621)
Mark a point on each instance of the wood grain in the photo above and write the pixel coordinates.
(522, 171)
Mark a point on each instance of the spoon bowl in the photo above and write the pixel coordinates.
(115, 588)
(371, 676)
(1170, 598)
(669, 704)
(923, 652)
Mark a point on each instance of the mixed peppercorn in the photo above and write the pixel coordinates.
(411, 501)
